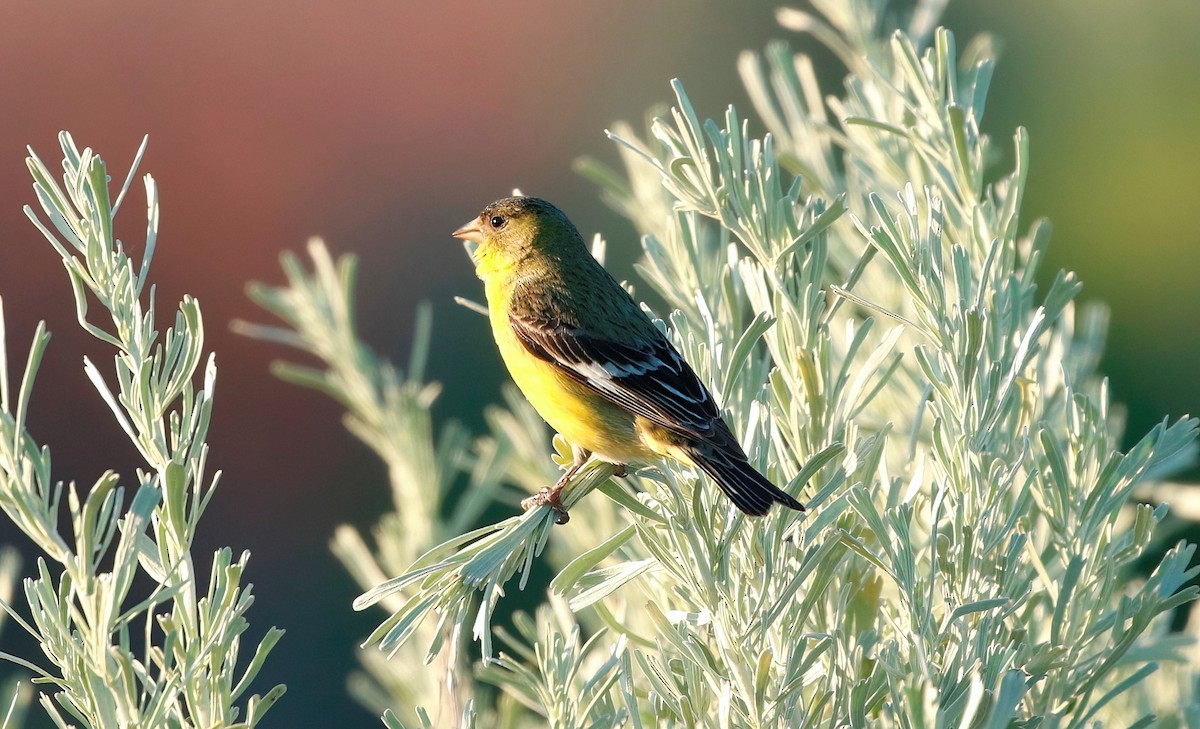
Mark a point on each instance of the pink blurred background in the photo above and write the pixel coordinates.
(382, 126)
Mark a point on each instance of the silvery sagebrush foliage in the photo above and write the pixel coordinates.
(16, 695)
(864, 304)
(389, 411)
(83, 604)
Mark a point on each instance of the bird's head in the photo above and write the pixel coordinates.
(513, 229)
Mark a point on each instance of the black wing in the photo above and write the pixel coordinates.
(644, 375)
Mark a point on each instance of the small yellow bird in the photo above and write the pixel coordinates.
(592, 363)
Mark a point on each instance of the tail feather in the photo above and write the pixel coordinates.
(748, 489)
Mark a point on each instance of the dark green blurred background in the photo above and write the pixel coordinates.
(382, 126)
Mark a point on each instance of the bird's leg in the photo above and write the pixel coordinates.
(550, 495)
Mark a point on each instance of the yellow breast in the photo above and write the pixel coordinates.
(584, 418)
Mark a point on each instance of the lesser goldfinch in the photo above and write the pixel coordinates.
(592, 363)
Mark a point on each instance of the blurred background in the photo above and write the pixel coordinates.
(382, 126)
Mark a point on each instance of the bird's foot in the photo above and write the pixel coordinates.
(621, 471)
(548, 496)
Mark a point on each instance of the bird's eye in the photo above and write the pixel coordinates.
(498, 221)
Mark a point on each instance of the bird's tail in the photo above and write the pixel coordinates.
(748, 489)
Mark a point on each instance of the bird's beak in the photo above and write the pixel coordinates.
(471, 231)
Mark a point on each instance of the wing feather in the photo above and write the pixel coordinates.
(638, 369)
(647, 376)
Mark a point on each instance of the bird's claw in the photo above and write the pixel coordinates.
(621, 471)
(548, 496)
